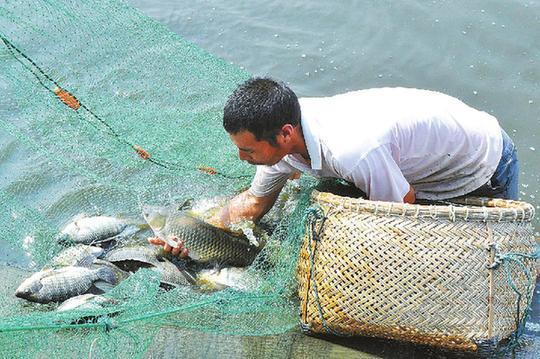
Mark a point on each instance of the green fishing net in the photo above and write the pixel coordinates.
(104, 110)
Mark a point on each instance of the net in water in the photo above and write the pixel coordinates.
(105, 110)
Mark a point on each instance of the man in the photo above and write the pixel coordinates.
(394, 144)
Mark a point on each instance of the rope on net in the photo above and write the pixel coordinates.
(313, 216)
(518, 258)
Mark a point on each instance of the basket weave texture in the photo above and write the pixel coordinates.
(427, 274)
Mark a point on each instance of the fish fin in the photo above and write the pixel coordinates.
(220, 265)
(188, 203)
(103, 253)
(102, 286)
(101, 242)
(190, 276)
(117, 238)
(155, 216)
(86, 261)
(78, 217)
(167, 285)
(106, 274)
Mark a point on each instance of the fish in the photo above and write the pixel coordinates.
(57, 285)
(132, 258)
(97, 230)
(214, 279)
(95, 308)
(206, 243)
(79, 255)
(172, 277)
(86, 302)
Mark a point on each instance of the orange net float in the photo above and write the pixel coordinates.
(67, 98)
(141, 152)
(209, 170)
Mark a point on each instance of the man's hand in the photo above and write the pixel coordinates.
(178, 250)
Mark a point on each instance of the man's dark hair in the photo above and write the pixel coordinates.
(261, 106)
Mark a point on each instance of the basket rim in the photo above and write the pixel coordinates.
(462, 208)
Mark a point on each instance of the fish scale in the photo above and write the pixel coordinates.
(70, 283)
(207, 243)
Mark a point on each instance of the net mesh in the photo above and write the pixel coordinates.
(104, 110)
(90, 89)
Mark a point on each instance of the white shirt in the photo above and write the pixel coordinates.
(384, 139)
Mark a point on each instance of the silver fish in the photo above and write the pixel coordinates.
(206, 243)
(56, 285)
(229, 277)
(86, 302)
(132, 258)
(78, 255)
(97, 229)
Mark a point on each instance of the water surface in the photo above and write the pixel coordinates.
(485, 53)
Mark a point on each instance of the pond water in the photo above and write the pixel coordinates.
(486, 53)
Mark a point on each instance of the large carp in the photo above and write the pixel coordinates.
(206, 244)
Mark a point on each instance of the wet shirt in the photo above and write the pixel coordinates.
(384, 139)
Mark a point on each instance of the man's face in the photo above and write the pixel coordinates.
(257, 152)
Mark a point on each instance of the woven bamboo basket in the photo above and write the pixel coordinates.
(457, 276)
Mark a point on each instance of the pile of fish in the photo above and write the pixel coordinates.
(102, 251)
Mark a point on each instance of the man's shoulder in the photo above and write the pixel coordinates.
(373, 91)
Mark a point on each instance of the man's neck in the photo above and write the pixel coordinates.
(299, 145)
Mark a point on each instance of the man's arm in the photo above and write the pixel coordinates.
(244, 206)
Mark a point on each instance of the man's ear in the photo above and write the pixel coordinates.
(287, 131)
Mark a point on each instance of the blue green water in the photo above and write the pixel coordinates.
(487, 53)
